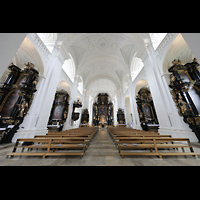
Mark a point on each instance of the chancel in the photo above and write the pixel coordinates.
(100, 94)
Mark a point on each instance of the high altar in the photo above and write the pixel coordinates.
(102, 111)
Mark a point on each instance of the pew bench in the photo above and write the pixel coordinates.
(155, 145)
(129, 138)
(48, 144)
(68, 137)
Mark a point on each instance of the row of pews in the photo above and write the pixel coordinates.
(73, 142)
(132, 142)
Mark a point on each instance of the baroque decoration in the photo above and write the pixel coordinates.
(16, 96)
(75, 115)
(59, 111)
(121, 117)
(146, 110)
(85, 117)
(185, 85)
(102, 111)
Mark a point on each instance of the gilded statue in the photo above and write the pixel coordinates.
(65, 114)
(183, 105)
(22, 108)
(174, 62)
(179, 62)
(197, 120)
(29, 65)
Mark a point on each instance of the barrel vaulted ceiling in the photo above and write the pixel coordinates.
(103, 59)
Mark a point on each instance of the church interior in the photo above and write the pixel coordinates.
(99, 99)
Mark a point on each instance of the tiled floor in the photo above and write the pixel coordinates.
(101, 152)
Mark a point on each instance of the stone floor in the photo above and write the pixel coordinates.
(101, 152)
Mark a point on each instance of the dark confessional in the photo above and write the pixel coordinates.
(16, 96)
(103, 111)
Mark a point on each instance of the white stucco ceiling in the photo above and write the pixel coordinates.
(102, 57)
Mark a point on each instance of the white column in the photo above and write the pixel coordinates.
(36, 121)
(169, 120)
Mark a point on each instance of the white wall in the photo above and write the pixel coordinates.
(169, 120)
(9, 44)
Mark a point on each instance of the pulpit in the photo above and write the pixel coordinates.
(85, 118)
(75, 115)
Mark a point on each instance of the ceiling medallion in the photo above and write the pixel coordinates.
(102, 43)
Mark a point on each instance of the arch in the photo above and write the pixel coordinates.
(69, 68)
(140, 84)
(177, 50)
(105, 76)
(102, 84)
(28, 53)
(136, 66)
(63, 86)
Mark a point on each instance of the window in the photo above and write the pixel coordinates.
(69, 68)
(156, 39)
(136, 67)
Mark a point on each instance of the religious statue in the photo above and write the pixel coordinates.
(174, 62)
(22, 108)
(179, 62)
(35, 83)
(195, 60)
(182, 104)
(29, 65)
(65, 114)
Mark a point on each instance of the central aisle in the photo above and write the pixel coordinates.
(102, 145)
(102, 151)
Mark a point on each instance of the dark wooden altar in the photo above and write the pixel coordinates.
(75, 115)
(85, 118)
(146, 110)
(102, 111)
(185, 85)
(16, 96)
(121, 117)
(59, 111)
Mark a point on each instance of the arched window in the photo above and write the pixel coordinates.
(80, 84)
(136, 66)
(69, 68)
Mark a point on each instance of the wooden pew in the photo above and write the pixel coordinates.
(76, 139)
(130, 139)
(69, 137)
(48, 144)
(156, 144)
